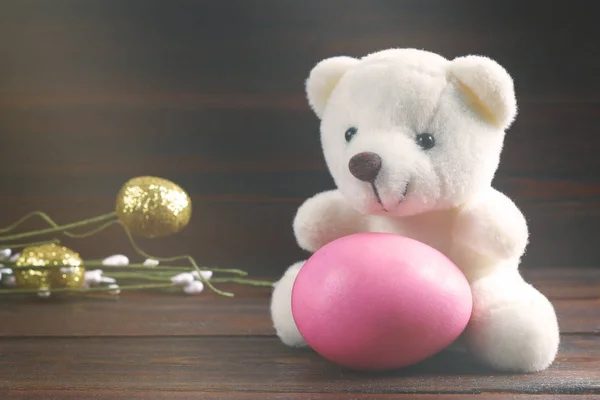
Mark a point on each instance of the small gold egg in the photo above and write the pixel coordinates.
(153, 207)
(68, 274)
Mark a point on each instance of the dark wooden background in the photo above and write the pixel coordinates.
(210, 95)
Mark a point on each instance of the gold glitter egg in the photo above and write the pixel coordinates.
(152, 207)
(68, 274)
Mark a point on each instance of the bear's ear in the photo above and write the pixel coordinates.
(489, 86)
(323, 78)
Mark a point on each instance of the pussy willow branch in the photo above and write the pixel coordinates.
(111, 220)
(98, 229)
(55, 227)
(145, 286)
(92, 289)
(167, 278)
(149, 273)
(190, 259)
(98, 263)
(243, 281)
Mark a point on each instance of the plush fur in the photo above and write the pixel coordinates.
(441, 195)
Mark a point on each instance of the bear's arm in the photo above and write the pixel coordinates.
(492, 226)
(325, 217)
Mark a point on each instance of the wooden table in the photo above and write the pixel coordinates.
(166, 346)
(210, 94)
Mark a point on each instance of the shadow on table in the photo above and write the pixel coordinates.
(450, 362)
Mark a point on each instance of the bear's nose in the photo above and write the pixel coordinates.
(365, 166)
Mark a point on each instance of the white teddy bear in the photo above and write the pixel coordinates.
(413, 141)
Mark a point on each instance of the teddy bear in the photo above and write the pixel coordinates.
(413, 141)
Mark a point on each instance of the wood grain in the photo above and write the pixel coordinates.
(95, 94)
(211, 95)
(260, 135)
(268, 47)
(577, 316)
(575, 294)
(255, 364)
(568, 283)
(141, 316)
(179, 395)
(257, 235)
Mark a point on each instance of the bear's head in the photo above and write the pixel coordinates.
(406, 131)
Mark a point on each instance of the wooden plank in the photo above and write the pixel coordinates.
(263, 183)
(257, 235)
(568, 283)
(203, 139)
(141, 314)
(578, 316)
(162, 314)
(262, 364)
(175, 47)
(231, 126)
(178, 395)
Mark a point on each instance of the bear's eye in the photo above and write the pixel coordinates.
(350, 133)
(425, 141)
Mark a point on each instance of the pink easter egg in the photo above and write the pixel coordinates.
(376, 301)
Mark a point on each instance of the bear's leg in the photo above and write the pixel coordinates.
(281, 308)
(513, 327)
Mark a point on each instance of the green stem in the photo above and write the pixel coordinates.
(11, 264)
(190, 259)
(241, 281)
(57, 228)
(92, 289)
(98, 264)
(250, 282)
(111, 220)
(24, 218)
(129, 275)
(92, 232)
(145, 286)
